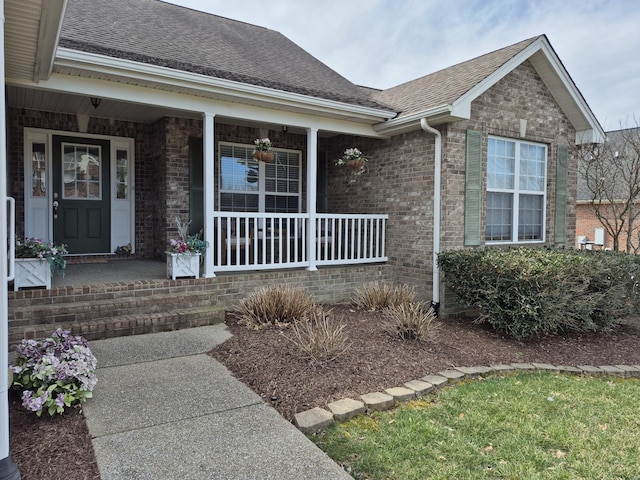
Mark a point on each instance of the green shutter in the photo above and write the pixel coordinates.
(561, 194)
(473, 189)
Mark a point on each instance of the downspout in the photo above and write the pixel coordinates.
(437, 187)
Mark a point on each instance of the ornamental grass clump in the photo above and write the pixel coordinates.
(411, 321)
(275, 305)
(54, 373)
(380, 295)
(320, 337)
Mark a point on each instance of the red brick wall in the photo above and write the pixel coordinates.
(586, 223)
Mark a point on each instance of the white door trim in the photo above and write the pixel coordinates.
(38, 210)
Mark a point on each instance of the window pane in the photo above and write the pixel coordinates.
(530, 212)
(501, 161)
(122, 174)
(532, 168)
(38, 170)
(238, 202)
(239, 174)
(499, 216)
(281, 204)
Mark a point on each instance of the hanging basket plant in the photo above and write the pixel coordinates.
(353, 160)
(262, 150)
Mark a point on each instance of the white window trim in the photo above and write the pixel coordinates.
(261, 192)
(516, 195)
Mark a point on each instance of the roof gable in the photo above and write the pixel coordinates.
(162, 34)
(446, 95)
(448, 85)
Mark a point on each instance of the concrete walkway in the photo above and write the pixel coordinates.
(163, 409)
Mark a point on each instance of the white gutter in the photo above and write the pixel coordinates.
(51, 20)
(408, 121)
(437, 188)
(206, 85)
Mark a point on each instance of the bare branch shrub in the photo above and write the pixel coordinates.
(319, 337)
(274, 305)
(411, 321)
(380, 295)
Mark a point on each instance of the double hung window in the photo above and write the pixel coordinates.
(247, 185)
(516, 186)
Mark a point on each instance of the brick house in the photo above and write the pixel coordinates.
(113, 132)
(622, 149)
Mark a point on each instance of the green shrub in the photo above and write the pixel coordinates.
(534, 291)
(275, 304)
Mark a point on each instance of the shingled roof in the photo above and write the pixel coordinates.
(162, 34)
(445, 86)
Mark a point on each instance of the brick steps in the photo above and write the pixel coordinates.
(110, 310)
(109, 327)
(78, 311)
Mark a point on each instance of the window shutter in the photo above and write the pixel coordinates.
(561, 193)
(473, 189)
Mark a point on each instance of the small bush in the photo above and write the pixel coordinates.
(55, 373)
(380, 295)
(319, 337)
(535, 291)
(411, 321)
(275, 304)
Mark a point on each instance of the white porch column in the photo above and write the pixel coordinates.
(312, 174)
(208, 159)
(8, 469)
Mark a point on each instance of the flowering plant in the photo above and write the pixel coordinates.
(187, 243)
(55, 373)
(36, 248)
(262, 144)
(354, 160)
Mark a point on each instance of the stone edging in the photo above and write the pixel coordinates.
(311, 421)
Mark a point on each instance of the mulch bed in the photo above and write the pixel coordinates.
(50, 448)
(271, 365)
(60, 447)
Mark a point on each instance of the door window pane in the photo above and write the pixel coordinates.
(82, 172)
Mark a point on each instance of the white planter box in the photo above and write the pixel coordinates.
(183, 265)
(32, 272)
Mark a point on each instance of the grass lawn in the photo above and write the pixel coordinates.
(520, 426)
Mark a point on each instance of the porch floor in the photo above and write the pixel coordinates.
(111, 271)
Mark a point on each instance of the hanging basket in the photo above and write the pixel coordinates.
(263, 156)
(354, 164)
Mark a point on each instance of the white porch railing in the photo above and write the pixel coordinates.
(260, 241)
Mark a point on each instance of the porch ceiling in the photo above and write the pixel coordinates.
(56, 102)
(34, 99)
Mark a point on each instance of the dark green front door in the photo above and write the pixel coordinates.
(81, 197)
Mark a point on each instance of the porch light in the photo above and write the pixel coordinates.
(95, 101)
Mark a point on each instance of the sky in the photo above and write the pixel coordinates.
(383, 43)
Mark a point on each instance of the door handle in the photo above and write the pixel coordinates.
(55, 209)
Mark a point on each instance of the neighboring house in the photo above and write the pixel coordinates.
(125, 114)
(623, 148)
